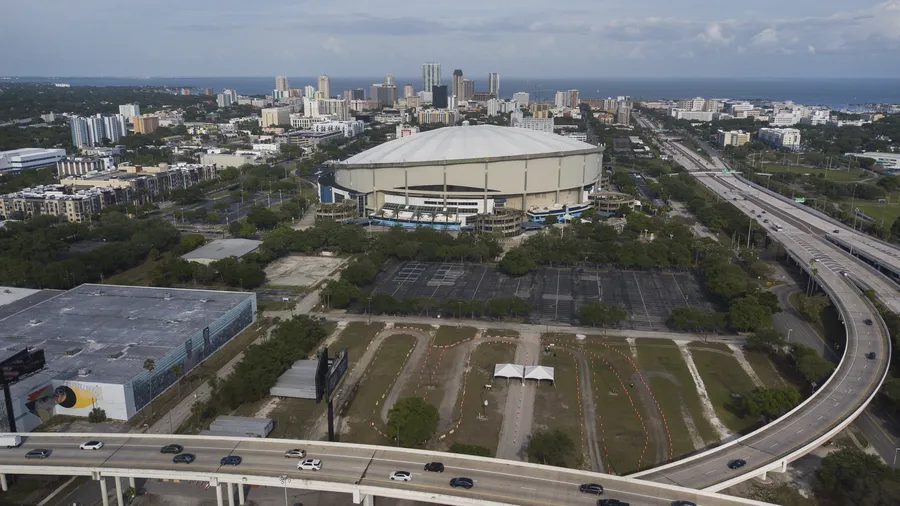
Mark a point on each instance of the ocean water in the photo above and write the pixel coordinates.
(836, 93)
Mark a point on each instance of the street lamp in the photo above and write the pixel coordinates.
(789, 335)
(894, 464)
(284, 481)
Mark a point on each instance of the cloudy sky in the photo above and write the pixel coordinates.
(521, 38)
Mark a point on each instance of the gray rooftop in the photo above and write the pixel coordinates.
(109, 330)
(223, 248)
(299, 381)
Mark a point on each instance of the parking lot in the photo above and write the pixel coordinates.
(555, 294)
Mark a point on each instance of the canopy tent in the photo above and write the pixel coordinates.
(539, 372)
(509, 371)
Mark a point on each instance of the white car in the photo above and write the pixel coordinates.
(401, 476)
(310, 465)
(294, 454)
(91, 445)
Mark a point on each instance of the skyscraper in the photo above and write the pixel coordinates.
(281, 83)
(309, 91)
(389, 80)
(431, 76)
(494, 84)
(325, 86)
(130, 110)
(408, 91)
(439, 97)
(80, 135)
(468, 89)
(457, 88)
(91, 130)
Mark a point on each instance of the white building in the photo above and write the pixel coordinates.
(431, 76)
(29, 158)
(324, 86)
(788, 138)
(406, 131)
(91, 131)
(539, 124)
(521, 98)
(493, 107)
(733, 138)
(130, 111)
(350, 129)
(494, 84)
(690, 115)
(275, 116)
(889, 162)
(692, 104)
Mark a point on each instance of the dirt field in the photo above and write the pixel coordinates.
(297, 270)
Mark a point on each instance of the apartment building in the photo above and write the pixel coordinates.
(787, 138)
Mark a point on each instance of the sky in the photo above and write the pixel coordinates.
(518, 38)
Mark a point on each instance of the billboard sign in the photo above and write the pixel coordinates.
(336, 372)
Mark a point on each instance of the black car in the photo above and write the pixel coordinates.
(176, 449)
(434, 467)
(185, 458)
(870, 355)
(611, 502)
(591, 488)
(683, 503)
(38, 454)
(231, 460)
(737, 464)
(867, 321)
(465, 483)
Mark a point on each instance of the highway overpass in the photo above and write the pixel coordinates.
(360, 470)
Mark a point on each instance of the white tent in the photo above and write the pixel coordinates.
(509, 371)
(539, 372)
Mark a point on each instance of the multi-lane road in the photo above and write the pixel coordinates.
(359, 469)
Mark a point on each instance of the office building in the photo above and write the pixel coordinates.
(539, 110)
(457, 86)
(431, 76)
(494, 84)
(692, 104)
(704, 116)
(355, 94)
(389, 80)
(439, 97)
(787, 138)
(521, 98)
(468, 89)
(408, 91)
(129, 111)
(566, 99)
(145, 124)
(281, 84)
(325, 86)
(275, 116)
(384, 95)
(733, 138)
(445, 116)
(349, 129)
(81, 165)
(29, 158)
(623, 116)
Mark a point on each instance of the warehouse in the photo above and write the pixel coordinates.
(445, 177)
(100, 342)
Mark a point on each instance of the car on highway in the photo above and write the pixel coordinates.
(310, 465)
(737, 464)
(176, 449)
(296, 453)
(611, 502)
(38, 453)
(836, 231)
(183, 458)
(591, 488)
(434, 467)
(870, 355)
(401, 476)
(10, 440)
(91, 445)
(461, 482)
(867, 321)
(683, 503)
(231, 460)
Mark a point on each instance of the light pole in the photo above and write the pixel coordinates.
(853, 204)
(789, 335)
(284, 481)
(894, 464)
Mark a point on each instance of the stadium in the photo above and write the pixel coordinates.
(100, 341)
(446, 177)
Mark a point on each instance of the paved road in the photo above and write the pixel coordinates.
(518, 415)
(349, 465)
(790, 322)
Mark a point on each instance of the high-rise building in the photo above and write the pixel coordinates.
(281, 84)
(275, 116)
(389, 80)
(130, 110)
(325, 86)
(431, 76)
(540, 111)
(145, 124)
(209, 92)
(456, 85)
(788, 138)
(439, 98)
(733, 137)
(521, 98)
(408, 91)
(92, 130)
(80, 136)
(309, 91)
(566, 99)
(494, 84)
(384, 95)
(624, 116)
(468, 89)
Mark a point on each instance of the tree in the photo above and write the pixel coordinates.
(517, 262)
(149, 364)
(768, 403)
(552, 448)
(189, 195)
(767, 340)
(97, 415)
(551, 220)
(262, 218)
(130, 493)
(221, 205)
(811, 366)
(812, 306)
(360, 273)
(412, 421)
(177, 370)
(241, 229)
(339, 294)
(746, 313)
(851, 477)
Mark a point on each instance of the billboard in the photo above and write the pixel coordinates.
(329, 373)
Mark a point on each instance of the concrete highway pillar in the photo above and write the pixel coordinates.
(119, 500)
(131, 483)
(241, 498)
(369, 500)
(230, 494)
(764, 476)
(103, 493)
(219, 495)
(3, 485)
(357, 497)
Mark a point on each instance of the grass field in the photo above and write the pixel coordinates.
(374, 386)
(830, 175)
(295, 418)
(724, 378)
(474, 428)
(880, 212)
(446, 336)
(356, 337)
(140, 275)
(556, 407)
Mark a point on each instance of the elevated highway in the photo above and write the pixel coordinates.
(360, 470)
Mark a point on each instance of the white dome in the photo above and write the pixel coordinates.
(463, 143)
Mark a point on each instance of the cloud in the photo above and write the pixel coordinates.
(333, 45)
(767, 37)
(714, 35)
(811, 49)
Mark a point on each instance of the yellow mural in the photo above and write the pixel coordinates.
(74, 397)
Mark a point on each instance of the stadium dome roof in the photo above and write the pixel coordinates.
(465, 142)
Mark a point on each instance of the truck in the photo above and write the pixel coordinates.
(10, 440)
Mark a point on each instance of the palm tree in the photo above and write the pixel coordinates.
(178, 369)
(149, 364)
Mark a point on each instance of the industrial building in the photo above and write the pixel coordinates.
(100, 341)
(29, 158)
(221, 249)
(446, 176)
